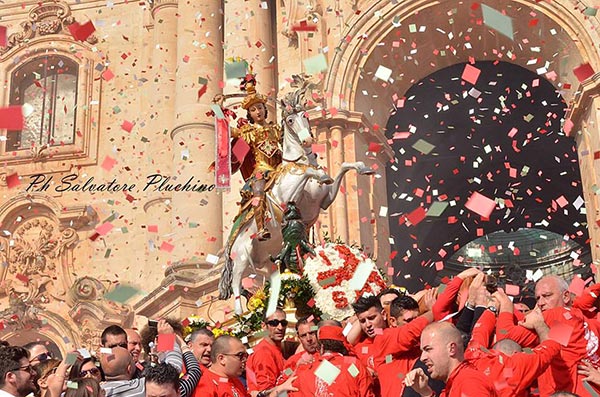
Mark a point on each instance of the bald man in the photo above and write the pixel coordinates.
(552, 292)
(134, 344)
(443, 355)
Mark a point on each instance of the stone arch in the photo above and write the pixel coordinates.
(557, 35)
(357, 59)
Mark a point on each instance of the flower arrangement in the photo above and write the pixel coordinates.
(194, 323)
(295, 290)
(330, 273)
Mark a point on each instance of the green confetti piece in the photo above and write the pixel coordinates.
(353, 370)
(437, 208)
(590, 11)
(316, 64)
(423, 146)
(202, 81)
(327, 372)
(116, 109)
(107, 253)
(412, 28)
(124, 230)
(388, 358)
(235, 70)
(528, 117)
(71, 359)
(145, 140)
(324, 283)
(121, 294)
(496, 20)
(288, 372)
(111, 202)
(192, 225)
(72, 385)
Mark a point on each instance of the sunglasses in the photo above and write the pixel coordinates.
(275, 323)
(91, 371)
(242, 356)
(43, 357)
(25, 368)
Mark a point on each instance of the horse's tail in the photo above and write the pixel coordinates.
(226, 280)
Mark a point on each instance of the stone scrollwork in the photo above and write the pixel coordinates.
(33, 253)
(45, 19)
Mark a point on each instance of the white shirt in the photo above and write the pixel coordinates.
(5, 394)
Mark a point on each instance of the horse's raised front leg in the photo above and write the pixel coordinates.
(334, 188)
(293, 192)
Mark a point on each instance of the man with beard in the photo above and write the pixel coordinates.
(442, 352)
(265, 364)
(201, 342)
(16, 374)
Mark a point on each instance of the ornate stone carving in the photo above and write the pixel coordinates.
(311, 14)
(86, 298)
(43, 20)
(32, 255)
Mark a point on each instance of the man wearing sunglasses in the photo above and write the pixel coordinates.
(16, 374)
(266, 363)
(38, 352)
(229, 358)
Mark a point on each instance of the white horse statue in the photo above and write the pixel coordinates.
(300, 180)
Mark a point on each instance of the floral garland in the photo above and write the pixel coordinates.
(294, 289)
(330, 272)
(194, 323)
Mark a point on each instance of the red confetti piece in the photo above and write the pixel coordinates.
(12, 180)
(11, 118)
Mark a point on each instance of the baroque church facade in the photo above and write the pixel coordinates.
(129, 103)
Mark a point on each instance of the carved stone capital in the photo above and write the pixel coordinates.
(157, 5)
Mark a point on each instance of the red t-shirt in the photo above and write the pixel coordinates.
(264, 366)
(353, 379)
(466, 381)
(582, 343)
(512, 375)
(212, 385)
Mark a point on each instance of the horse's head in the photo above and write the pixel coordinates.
(294, 115)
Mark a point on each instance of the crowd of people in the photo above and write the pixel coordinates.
(462, 339)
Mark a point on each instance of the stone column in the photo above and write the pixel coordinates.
(585, 116)
(249, 35)
(159, 123)
(199, 54)
(340, 211)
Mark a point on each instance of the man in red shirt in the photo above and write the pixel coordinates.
(307, 334)
(372, 319)
(229, 357)
(334, 373)
(512, 370)
(398, 353)
(266, 363)
(443, 354)
(579, 336)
